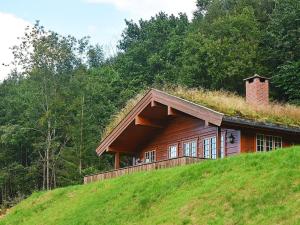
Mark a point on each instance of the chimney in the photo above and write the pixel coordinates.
(257, 90)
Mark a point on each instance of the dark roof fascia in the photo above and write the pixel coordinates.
(256, 124)
(256, 76)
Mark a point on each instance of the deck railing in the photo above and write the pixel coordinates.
(142, 167)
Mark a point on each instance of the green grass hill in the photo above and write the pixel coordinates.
(262, 188)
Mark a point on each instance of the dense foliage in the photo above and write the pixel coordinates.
(247, 189)
(52, 114)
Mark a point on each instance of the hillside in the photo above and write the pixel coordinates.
(248, 189)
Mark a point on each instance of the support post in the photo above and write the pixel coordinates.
(117, 160)
(219, 135)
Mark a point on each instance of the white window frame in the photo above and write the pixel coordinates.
(265, 143)
(171, 154)
(260, 142)
(269, 143)
(277, 142)
(210, 147)
(192, 148)
(150, 156)
(206, 148)
(222, 146)
(213, 148)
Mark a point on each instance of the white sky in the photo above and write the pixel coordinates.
(12, 25)
(147, 8)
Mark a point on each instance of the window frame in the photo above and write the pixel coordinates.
(170, 153)
(190, 141)
(151, 156)
(260, 142)
(223, 147)
(275, 138)
(206, 149)
(267, 142)
(211, 146)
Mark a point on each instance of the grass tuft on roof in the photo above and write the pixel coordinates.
(225, 102)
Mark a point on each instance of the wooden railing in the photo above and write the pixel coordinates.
(143, 167)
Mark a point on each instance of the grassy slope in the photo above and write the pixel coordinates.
(248, 189)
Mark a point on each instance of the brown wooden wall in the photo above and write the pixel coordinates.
(185, 128)
(248, 138)
(232, 149)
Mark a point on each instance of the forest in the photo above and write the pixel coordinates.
(54, 108)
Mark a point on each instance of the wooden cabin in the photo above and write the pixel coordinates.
(163, 130)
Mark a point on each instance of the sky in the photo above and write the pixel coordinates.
(102, 20)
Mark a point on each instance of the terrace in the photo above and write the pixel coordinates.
(142, 167)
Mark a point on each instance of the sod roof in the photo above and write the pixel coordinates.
(228, 103)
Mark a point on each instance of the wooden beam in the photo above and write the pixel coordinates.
(206, 123)
(219, 135)
(117, 160)
(121, 150)
(171, 111)
(139, 120)
(154, 104)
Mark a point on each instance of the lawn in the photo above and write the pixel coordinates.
(257, 188)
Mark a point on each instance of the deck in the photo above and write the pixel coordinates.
(143, 167)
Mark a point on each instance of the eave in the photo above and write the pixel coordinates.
(230, 120)
(173, 103)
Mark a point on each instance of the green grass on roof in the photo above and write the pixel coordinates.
(257, 188)
(233, 105)
(225, 102)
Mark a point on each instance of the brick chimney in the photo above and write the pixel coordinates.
(257, 90)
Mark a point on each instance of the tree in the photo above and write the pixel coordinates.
(222, 52)
(54, 111)
(282, 36)
(95, 56)
(151, 50)
(48, 68)
(288, 81)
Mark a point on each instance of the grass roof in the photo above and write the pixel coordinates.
(225, 102)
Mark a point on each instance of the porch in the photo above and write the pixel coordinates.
(142, 167)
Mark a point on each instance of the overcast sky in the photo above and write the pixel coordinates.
(103, 20)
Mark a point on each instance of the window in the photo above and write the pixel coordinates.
(260, 142)
(172, 151)
(150, 156)
(222, 146)
(267, 142)
(210, 148)
(277, 142)
(206, 148)
(213, 147)
(190, 148)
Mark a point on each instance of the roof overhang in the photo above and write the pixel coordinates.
(172, 102)
(230, 120)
